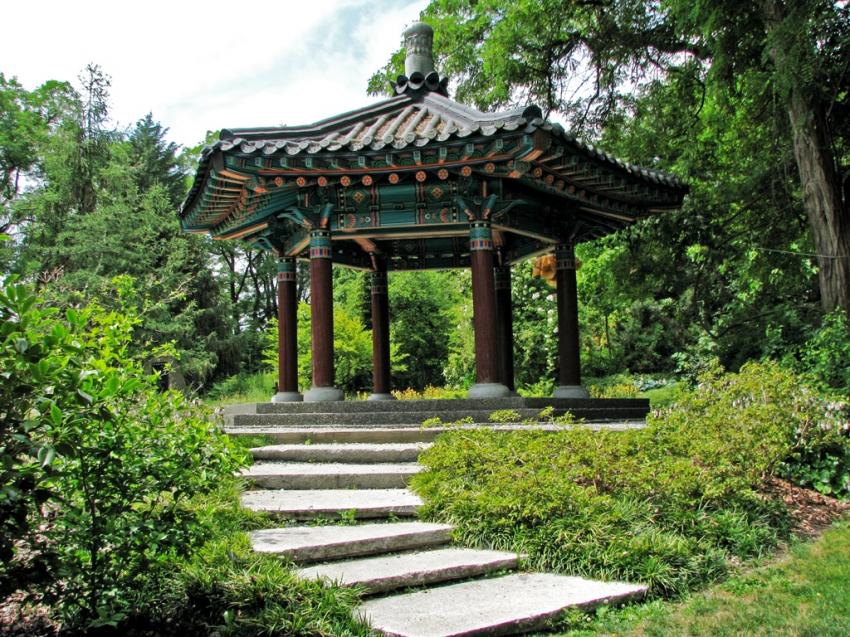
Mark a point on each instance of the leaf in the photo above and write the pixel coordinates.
(55, 414)
(46, 455)
(86, 398)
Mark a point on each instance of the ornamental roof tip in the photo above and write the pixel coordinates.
(419, 73)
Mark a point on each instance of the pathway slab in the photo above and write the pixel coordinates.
(391, 572)
(295, 435)
(305, 544)
(497, 606)
(331, 503)
(345, 452)
(331, 475)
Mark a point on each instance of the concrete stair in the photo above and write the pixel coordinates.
(332, 475)
(321, 469)
(305, 544)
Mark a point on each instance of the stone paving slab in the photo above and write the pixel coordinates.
(331, 503)
(453, 404)
(403, 433)
(497, 606)
(294, 435)
(330, 475)
(391, 572)
(342, 452)
(304, 544)
(414, 418)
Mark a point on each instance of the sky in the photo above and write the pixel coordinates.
(200, 66)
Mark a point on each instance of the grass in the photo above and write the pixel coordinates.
(805, 593)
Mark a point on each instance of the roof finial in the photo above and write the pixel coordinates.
(419, 74)
(419, 42)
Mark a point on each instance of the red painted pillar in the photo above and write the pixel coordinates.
(488, 379)
(322, 319)
(569, 359)
(380, 333)
(505, 325)
(287, 327)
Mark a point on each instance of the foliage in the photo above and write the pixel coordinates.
(667, 505)
(98, 466)
(820, 458)
(234, 591)
(352, 350)
(825, 357)
(422, 320)
(429, 392)
(242, 388)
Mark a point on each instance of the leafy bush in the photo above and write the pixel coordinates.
(98, 467)
(820, 458)
(826, 355)
(429, 393)
(242, 388)
(667, 505)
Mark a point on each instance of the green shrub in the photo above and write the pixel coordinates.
(668, 505)
(242, 388)
(98, 467)
(820, 457)
(826, 355)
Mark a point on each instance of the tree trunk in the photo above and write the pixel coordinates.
(826, 208)
(828, 215)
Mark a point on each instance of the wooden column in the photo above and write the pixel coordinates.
(287, 327)
(380, 333)
(569, 359)
(505, 325)
(322, 319)
(488, 379)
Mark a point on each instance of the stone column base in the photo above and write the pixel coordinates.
(287, 397)
(488, 390)
(323, 394)
(570, 391)
(381, 397)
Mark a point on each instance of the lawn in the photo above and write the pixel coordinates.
(805, 592)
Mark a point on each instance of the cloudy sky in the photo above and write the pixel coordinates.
(201, 66)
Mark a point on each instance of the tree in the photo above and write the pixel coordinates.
(582, 58)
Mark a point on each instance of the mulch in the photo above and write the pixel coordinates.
(811, 511)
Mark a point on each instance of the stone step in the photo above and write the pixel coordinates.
(391, 572)
(295, 435)
(497, 606)
(408, 433)
(305, 544)
(331, 475)
(415, 418)
(451, 405)
(347, 452)
(333, 503)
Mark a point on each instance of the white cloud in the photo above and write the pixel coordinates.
(202, 66)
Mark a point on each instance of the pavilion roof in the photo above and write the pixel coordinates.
(384, 158)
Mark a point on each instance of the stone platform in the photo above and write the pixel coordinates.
(395, 413)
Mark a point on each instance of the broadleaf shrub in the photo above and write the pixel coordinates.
(98, 467)
(668, 505)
